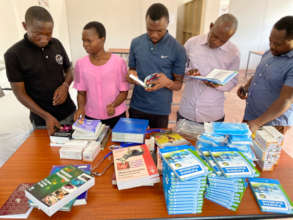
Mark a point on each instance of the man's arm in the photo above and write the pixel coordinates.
(20, 93)
(281, 105)
(61, 93)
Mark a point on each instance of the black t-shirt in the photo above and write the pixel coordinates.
(42, 71)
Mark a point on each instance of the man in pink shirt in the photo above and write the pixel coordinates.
(202, 101)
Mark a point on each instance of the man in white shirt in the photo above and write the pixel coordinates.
(203, 101)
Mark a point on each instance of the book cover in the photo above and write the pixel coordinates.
(270, 195)
(86, 125)
(169, 139)
(62, 135)
(218, 76)
(17, 205)
(53, 192)
(183, 162)
(134, 166)
(233, 163)
(130, 130)
(82, 198)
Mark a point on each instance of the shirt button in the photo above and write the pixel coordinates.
(259, 74)
(254, 84)
(46, 57)
(267, 64)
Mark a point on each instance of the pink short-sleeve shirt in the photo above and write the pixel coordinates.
(102, 85)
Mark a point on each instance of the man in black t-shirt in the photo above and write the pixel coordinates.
(40, 72)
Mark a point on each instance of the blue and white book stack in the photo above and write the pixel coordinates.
(233, 135)
(226, 184)
(185, 182)
(130, 130)
(226, 192)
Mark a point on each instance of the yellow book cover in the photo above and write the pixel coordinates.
(169, 139)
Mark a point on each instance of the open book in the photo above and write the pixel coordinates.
(218, 76)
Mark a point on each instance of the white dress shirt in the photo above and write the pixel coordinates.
(199, 102)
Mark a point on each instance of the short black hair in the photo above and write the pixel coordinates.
(99, 28)
(157, 11)
(37, 13)
(285, 23)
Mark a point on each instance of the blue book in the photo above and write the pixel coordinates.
(218, 76)
(81, 199)
(130, 130)
(270, 195)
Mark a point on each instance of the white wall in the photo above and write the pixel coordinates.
(211, 13)
(123, 20)
(12, 15)
(256, 19)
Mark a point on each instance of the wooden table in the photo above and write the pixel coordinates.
(34, 159)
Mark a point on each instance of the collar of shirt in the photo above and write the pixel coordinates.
(204, 41)
(288, 54)
(32, 44)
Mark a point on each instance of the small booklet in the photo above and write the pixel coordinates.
(218, 76)
(270, 195)
(17, 205)
(147, 80)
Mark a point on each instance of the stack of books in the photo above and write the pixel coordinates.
(87, 129)
(270, 195)
(58, 189)
(227, 192)
(134, 167)
(166, 139)
(267, 146)
(226, 182)
(130, 130)
(73, 149)
(233, 135)
(184, 179)
(61, 136)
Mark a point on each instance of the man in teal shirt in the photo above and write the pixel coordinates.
(156, 52)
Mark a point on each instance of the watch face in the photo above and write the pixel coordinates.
(148, 80)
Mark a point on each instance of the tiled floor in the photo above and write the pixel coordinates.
(234, 111)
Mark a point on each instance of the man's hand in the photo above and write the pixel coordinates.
(242, 92)
(60, 94)
(161, 81)
(193, 72)
(254, 125)
(51, 124)
(79, 114)
(110, 109)
(133, 72)
(210, 84)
